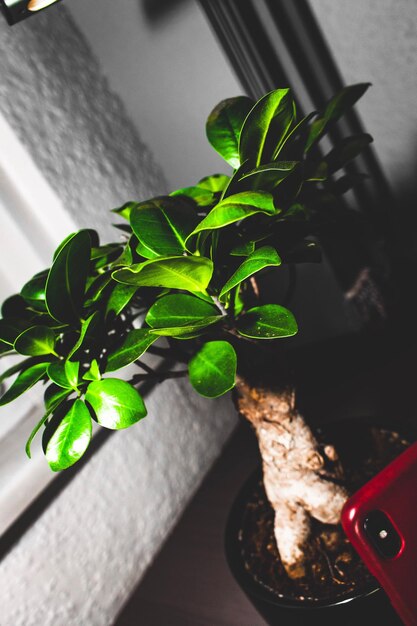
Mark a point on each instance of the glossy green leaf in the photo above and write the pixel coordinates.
(269, 321)
(106, 251)
(119, 298)
(136, 342)
(335, 108)
(34, 290)
(67, 278)
(243, 249)
(93, 373)
(190, 273)
(125, 210)
(266, 126)
(215, 183)
(258, 260)
(11, 328)
(201, 196)
(188, 331)
(36, 341)
(270, 175)
(181, 315)
(18, 367)
(24, 381)
(36, 429)
(14, 307)
(213, 369)
(235, 208)
(179, 310)
(346, 150)
(116, 403)
(146, 253)
(295, 140)
(126, 256)
(87, 327)
(162, 225)
(54, 395)
(64, 374)
(224, 126)
(71, 438)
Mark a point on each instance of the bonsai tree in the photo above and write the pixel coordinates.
(185, 281)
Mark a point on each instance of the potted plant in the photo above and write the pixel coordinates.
(184, 284)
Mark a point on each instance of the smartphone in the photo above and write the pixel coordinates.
(380, 520)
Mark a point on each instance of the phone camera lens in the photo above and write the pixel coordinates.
(382, 534)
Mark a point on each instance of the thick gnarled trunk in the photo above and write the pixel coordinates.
(299, 478)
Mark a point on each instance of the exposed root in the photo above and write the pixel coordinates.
(299, 479)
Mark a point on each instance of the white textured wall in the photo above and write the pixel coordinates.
(375, 40)
(79, 561)
(77, 565)
(170, 72)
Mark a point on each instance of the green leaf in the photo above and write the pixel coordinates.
(24, 381)
(136, 342)
(64, 374)
(67, 278)
(244, 249)
(269, 176)
(189, 331)
(126, 256)
(184, 272)
(115, 402)
(162, 225)
(93, 373)
(201, 196)
(71, 438)
(235, 208)
(179, 310)
(213, 369)
(181, 315)
(335, 108)
(87, 327)
(319, 172)
(346, 150)
(269, 321)
(141, 250)
(266, 126)
(18, 367)
(215, 183)
(263, 257)
(125, 210)
(224, 126)
(11, 328)
(119, 298)
(34, 290)
(54, 396)
(36, 341)
(14, 307)
(37, 428)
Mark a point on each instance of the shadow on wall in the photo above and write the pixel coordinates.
(157, 10)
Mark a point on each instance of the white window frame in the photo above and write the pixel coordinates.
(37, 220)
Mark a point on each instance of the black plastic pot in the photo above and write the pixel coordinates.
(369, 608)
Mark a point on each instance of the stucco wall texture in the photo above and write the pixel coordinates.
(56, 98)
(78, 563)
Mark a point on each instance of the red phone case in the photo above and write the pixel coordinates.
(394, 492)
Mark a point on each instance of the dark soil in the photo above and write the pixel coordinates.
(334, 569)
